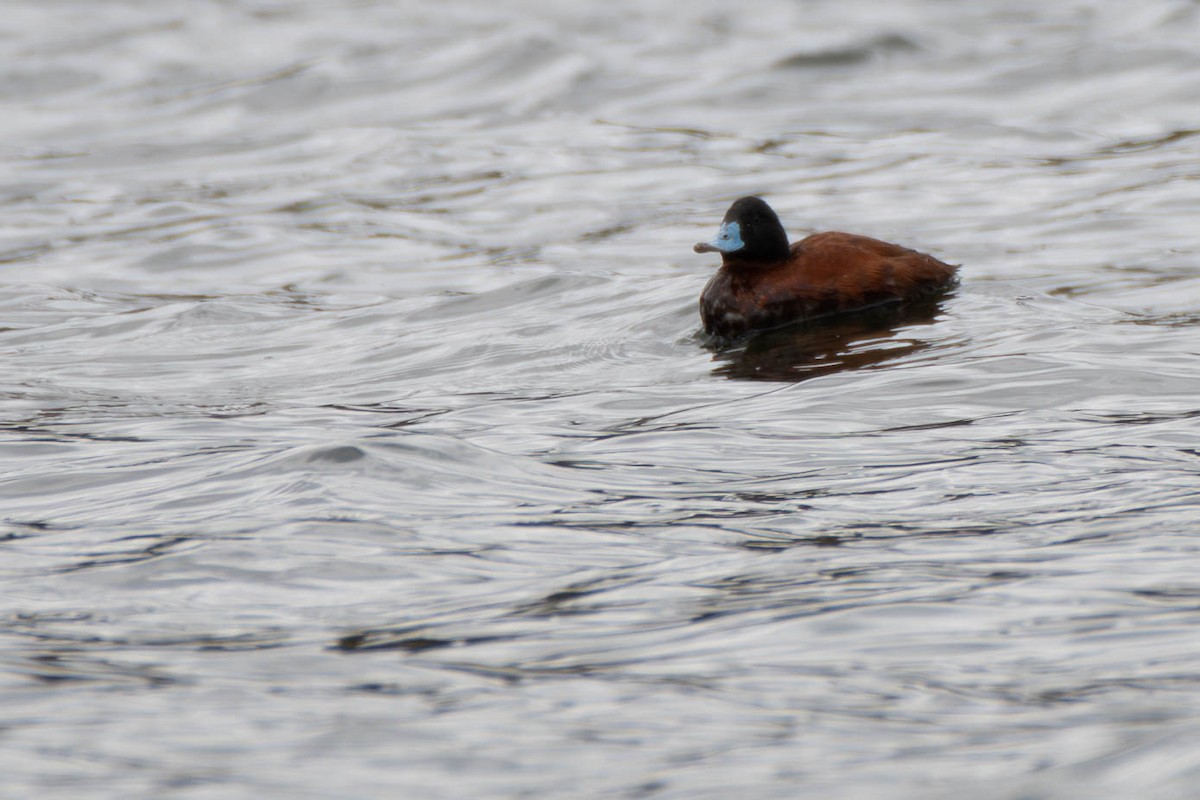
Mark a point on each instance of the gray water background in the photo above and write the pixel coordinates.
(357, 438)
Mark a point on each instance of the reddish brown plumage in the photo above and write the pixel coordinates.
(825, 274)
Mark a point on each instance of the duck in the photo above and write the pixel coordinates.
(764, 282)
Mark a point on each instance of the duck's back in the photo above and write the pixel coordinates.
(859, 268)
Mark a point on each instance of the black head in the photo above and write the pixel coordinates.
(749, 232)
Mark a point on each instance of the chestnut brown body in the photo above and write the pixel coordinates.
(828, 273)
(822, 275)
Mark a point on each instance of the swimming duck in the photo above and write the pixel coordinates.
(764, 282)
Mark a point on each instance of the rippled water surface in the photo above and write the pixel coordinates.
(358, 439)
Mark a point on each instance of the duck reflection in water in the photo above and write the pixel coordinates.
(850, 342)
(817, 297)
